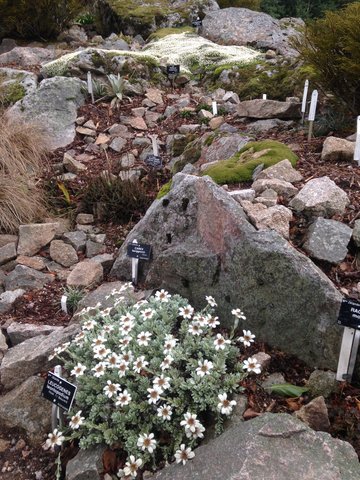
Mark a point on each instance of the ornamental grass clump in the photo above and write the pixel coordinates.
(153, 377)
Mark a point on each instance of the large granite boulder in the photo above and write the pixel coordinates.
(240, 26)
(15, 84)
(53, 107)
(270, 447)
(202, 244)
(260, 108)
(26, 56)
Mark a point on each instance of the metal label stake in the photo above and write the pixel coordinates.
(304, 101)
(312, 112)
(90, 86)
(57, 415)
(134, 268)
(155, 145)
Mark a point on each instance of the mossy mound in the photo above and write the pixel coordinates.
(240, 167)
(11, 93)
(164, 190)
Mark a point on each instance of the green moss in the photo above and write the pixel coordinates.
(11, 93)
(191, 154)
(240, 167)
(181, 143)
(164, 32)
(164, 190)
(208, 142)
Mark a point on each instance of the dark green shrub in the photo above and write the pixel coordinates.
(40, 19)
(250, 4)
(114, 200)
(331, 46)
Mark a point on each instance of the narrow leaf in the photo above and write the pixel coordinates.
(288, 390)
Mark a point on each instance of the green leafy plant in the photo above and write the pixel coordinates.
(74, 295)
(288, 390)
(86, 18)
(99, 88)
(115, 89)
(152, 377)
(115, 200)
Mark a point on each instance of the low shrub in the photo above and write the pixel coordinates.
(22, 152)
(250, 4)
(240, 167)
(115, 200)
(152, 378)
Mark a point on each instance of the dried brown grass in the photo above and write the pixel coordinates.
(22, 154)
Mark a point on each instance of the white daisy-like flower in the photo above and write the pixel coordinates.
(252, 365)
(127, 318)
(184, 454)
(195, 329)
(123, 367)
(186, 312)
(106, 311)
(164, 412)
(131, 467)
(125, 341)
(198, 433)
(123, 399)
(89, 325)
(201, 319)
(166, 363)
(143, 338)
(169, 344)
(190, 421)
(148, 313)
(78, 340)
(113, 360)
(78, 370)
(238, 313)
(211, 301)
(99, 369)
(225, 406)
(139, 364)
(213, 322)
(162, 296)
(247, 338)
(204, 368)
(54, 439)
(220, 342)
(108, 328)
(161, 382)
(154, 395)
(140, 303)
(147, 442)
(126, 327)
(98, 341)
(118, 301)
(101, 352)
(126, 356)
(76, 420)
(111, 389)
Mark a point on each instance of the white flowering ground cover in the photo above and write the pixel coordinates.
(188, 50)
(152, 377)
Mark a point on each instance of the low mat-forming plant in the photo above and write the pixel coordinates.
(152, 377)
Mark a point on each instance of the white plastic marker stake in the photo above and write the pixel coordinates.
(357, 142)
(214, 108)
(264, 97)
(304, 101)
(57, 417)
(155, 146)
(134, 268)
(312, 112)
(63, 302)
(348, 353)
(90, 86)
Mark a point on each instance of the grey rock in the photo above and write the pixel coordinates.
(249, 28)
(106, 260)
(25, 409)
(266, 125)
(7, 253)
(6, 45)
(19, 332)
(337, 150)
(223, 147)
(202, 244)
(273, 379)
(63, 253)
(33, 237)
(77, 239)
(322, 383)
(189, 128)
(7, 299)
(3, 345)
(231, 97)
(128, 160)
(26, 56)
(131, 175)
(118, 144)
(281, 187)
(270, 447)
(120, 130)
(315, 415)
(356, 233)
(85, 218)
(320, 197)
(263, 109)
(72, 165)
(53, 107)
(327, 240)
(247, 194)
(281, 171)
(86, 465)
(32, 356)
(85, 274)
(94, 248)
(75, 33)
(263, 359)
(11, 77)
(275, 218)
(37, 263)
(27, 279)
(5, 239)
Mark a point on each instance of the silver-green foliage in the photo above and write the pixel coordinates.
(104, 422)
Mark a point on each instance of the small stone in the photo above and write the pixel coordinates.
(337, 150)
(128, 160)
(231, 97)
(77, 239)
(120, 131)
(356, 233)
(216, 122)
(63, 253)
(72, 165)
(37, 263)
(90, 124)
(86, 131)
(26, 278)
(138, 112)
(102, 139)
(118, 144)
(138, 123)
(189, 128)
(270, 54)
(7, 253)
(8, 298)
(93, 249)
(85, 218)
(283, 188)
(263, 359)
(205, 114)
(85, 274)
(67, 177)
(322, 383)
(154, 95)
(80, 121)
(282, 171)
(5, 239)
(273, 379)
(239, 195)
(106, 260)
(315, 415)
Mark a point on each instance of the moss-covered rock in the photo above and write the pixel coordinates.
(164, 190)
(15, 84)
(240, 167)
